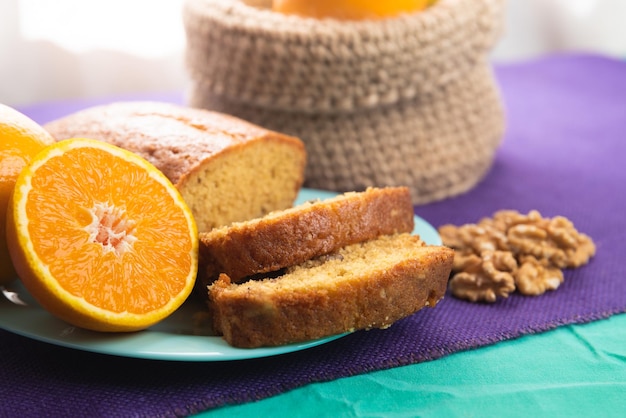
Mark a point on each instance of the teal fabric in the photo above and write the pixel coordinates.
(573, 371)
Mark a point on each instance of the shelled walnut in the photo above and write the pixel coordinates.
(485, 277)
(534, 277)
(556, 241)
(512, 251)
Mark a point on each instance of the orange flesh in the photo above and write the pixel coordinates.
(102, 245)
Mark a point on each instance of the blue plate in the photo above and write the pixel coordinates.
(180, 337)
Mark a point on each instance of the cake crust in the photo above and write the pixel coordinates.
(289, 237)
(367, 285)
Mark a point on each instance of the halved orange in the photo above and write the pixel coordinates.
(100, 237)
(20, 139)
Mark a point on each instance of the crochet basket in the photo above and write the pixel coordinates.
(408, 101)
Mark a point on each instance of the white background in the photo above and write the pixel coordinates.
(64, 49)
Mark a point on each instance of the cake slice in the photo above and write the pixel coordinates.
(361, 286)
(288, 237)
(225, 168)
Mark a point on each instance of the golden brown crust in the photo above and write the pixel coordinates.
(172, 137)
(370, 285)
(297, 234)
(217, 161)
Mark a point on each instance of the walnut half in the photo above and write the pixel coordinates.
(484, 278)
(556, 241)
(534, 277)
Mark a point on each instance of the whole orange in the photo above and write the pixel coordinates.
(349, 9)
(21, 139)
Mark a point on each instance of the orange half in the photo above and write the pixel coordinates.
(100, 237)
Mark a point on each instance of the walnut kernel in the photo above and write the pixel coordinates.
(534, 277)
(485, 278)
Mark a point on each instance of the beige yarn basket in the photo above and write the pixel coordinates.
(406, 101)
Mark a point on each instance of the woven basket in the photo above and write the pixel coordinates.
(405, 101)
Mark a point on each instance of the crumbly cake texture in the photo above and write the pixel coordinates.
(225, 168)
(291, 236)
(410, 100)
(362, 286)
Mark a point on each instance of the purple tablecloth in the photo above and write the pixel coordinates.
(563, 154)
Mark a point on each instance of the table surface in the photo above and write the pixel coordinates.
(575, 369)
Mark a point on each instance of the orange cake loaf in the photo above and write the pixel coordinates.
(291, 236)
(225, 168)
(361, 286)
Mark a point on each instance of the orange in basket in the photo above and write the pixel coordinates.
(20, 139)
(349, 9)
(100, 237)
